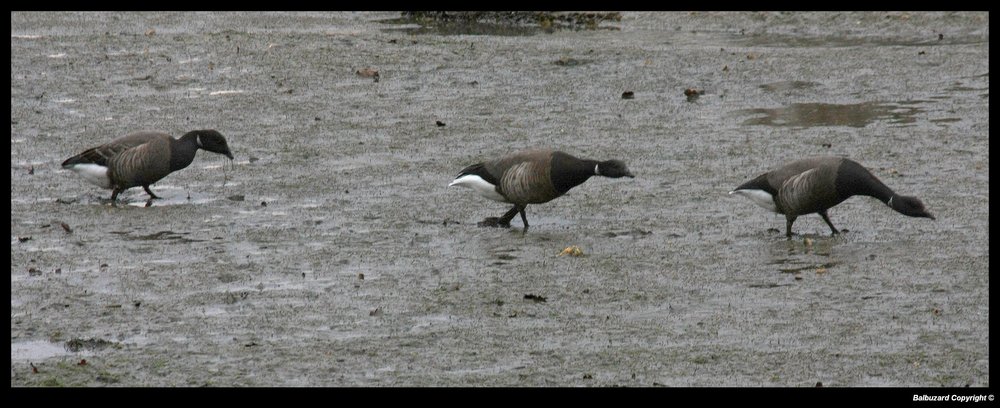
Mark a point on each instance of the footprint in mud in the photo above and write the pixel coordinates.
(502, 255)
(158, 236)
(635, 233)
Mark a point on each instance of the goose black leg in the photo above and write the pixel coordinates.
(788, 226)
(114, 197)
(524, 217)
(827, 219)
(148, 191)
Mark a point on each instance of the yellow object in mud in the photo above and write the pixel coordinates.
(571, 250)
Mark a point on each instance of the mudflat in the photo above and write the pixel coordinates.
(332, 253)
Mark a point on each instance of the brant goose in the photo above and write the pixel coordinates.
(816, 184)
(142, 158)
(532, 177)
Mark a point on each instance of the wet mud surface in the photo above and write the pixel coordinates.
(331, 252)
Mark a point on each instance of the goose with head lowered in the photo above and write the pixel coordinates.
(816, 184)
(532, 177)
(143, 158)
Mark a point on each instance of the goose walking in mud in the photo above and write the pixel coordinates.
(143, 158)
(815, 185)
(532, 177)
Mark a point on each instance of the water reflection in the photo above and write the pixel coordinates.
(826, 114)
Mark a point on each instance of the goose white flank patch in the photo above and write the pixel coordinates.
(815, 185)
(532, 177)
(483, 187)
(143, 158)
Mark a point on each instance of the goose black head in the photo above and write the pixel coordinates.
(613, 169)
(213, 141)
(911, 206)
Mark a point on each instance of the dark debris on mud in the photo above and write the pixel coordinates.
(552, 18)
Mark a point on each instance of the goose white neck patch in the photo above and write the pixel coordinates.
(597, 169)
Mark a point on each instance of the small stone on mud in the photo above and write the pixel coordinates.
(567, 62)
(82, 362)
(31, 170)
(34, 272)
(808, 242)
(23, 239)
(798, 275)
(66, 200)
(253, 159)
(263, 203)
(693, 94)
(361, 276)
(150, 32)
(535, 298)
(821, 270)
(367, 73)
(588, 377)
(66, 227)
(628, 95)
(439, 123)
(376, 312)
(238, 197)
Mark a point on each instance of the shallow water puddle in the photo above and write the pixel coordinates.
(35, 350)
(178, 199)
(827, 114)
(499, 23)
